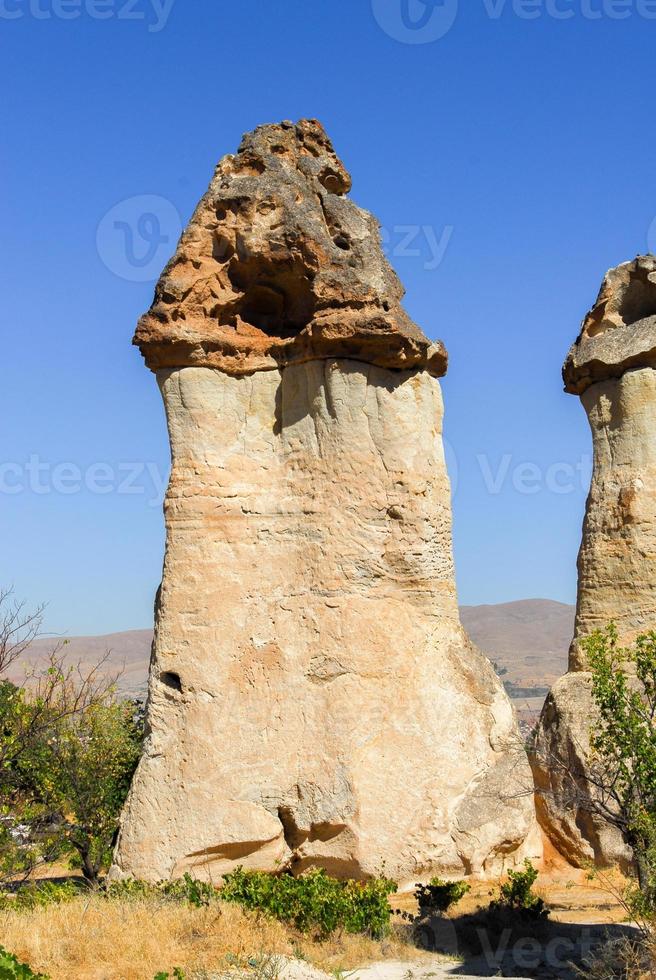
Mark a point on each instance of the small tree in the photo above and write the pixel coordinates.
(81, 774)
(67, 753)
(623, 744)
(517, 895)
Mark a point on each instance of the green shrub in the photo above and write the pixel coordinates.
(188, 889)
(131, 888)
(622, 760)
(11, 969)
(176, 975)
(40, 894)
(438, 895)
(81, 773)
(314, 901)
(185, 889)
(517, 894)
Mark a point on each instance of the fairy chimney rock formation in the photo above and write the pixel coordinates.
(612, 366)
(279, 267)
(313, 699)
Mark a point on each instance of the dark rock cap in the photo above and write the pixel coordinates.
(619, 332)
(277, 266)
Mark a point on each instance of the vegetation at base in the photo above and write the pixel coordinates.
(81, 775)
(439, 895)
(68, 750)
(185, 889)
(623, 751)
(622, 958)
(435, 898)
(314, 901)
(518, 897)
(40, 894)
(11, 969)
(617, 784)
(96, 936)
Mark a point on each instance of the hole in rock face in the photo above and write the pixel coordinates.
(639, 301)
(276, 298)
(171, 680)
(264, 307)
(293, 836)
(222, 247)
(334, 182)
(249, 163)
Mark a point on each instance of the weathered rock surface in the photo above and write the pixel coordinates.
(278, 266)
(313, 698)
(566, 782)
(617, 561)
(612, 366)
(619, 332)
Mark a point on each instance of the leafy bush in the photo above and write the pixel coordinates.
(11, 969)
(40, 894)
(314, 901)
(82, 772)
(68, 750)
(623, 751)
(517, 894)
(438, 895)
(130, 888)
(176, 975)
(186, 889)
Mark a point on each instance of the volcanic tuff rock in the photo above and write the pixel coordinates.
(611, 366)
(313, 699)
(619, 332)
(278, 267)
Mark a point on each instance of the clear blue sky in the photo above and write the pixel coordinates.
(521, 139)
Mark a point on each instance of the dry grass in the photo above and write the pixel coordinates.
(101, 939)
(628, 958)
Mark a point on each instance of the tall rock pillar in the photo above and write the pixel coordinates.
(313, 699)
(612, 366)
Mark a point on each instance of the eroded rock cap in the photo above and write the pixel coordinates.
(277, 266)
(619, 332)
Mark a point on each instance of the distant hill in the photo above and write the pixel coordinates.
(127, 653)
(529, 639)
